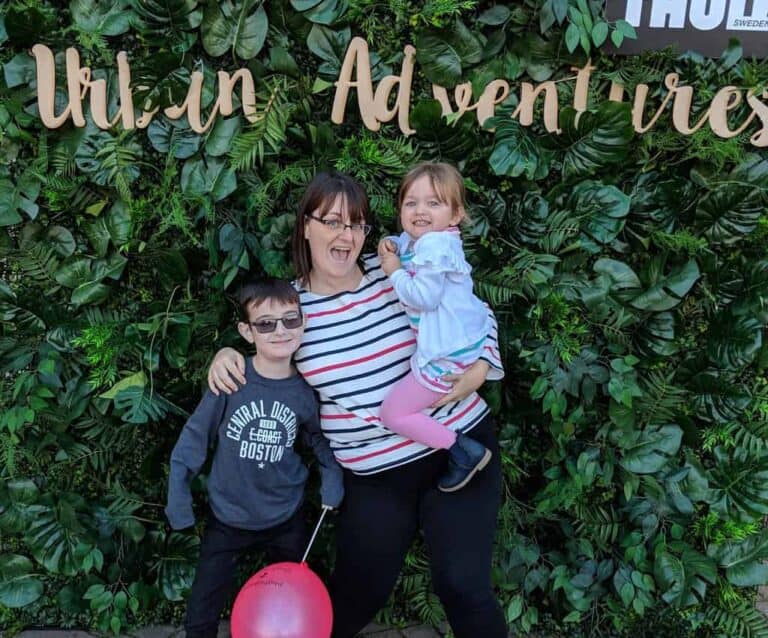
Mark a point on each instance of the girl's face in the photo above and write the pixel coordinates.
(334, 251)
(422, 211)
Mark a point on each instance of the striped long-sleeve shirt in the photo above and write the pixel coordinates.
(356, 346)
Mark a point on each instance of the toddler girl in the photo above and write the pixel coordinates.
(431, 277)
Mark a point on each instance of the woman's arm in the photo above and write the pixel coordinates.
(464, 384)
(487, 367)
(226, 371)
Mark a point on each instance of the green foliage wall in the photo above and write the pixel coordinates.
(629, 275)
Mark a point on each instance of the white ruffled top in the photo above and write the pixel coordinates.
(435, 285)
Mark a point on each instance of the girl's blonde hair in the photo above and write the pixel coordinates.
(446, 181)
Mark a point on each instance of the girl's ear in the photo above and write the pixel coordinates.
(459, 213)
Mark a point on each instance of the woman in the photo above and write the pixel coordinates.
(356, 346)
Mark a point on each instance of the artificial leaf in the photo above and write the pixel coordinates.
(652, 450)
(102, 17)
(239, 26)
(18, 586)
(593, 140)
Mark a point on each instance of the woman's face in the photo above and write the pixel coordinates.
(334, 251)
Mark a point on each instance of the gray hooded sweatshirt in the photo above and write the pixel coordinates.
(257, 478)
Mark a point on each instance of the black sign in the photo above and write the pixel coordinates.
(704, 26)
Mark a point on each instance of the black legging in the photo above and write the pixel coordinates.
(378, 520)
(220, 554)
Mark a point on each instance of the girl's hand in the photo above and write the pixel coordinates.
(387, 246)
(228, 367)
(390, 262)
(464, 384)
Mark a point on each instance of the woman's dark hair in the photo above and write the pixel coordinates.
(255, 291)
(318, 199)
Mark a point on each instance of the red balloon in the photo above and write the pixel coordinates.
(284, 600)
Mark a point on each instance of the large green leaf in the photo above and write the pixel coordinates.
(90, 293)
(744, 561)
(601, 211)
(140, 404)
(668, 291)
(658, 202)
(18, 586)
(168, 22)
(464, 42)
(119, 223)
(61, 239)
(18, 198)
(593, 140)
(516, 152)
(739, 485)
(239, 26)
(304, 5)
(652, 450)
(734, 341)
(175, 564)
(437, 136)
(717, 397)
(656, 335)
(730, 212)
(74, 271)
(110, 160)
(330, 46)
(173, 136)
(208, 176)
(622, 280)
(161, 82)
(102, 17)
(438, 60)
(684, 578)
(754, 170)
(19, 70)
(17, 499)
(326, 11)
(219, 140)
(56, 534)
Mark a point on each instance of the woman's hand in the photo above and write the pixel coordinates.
(464, 384)
(228, 367)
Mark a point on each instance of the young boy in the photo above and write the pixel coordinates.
(256, 485)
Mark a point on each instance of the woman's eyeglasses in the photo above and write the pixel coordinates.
(290, 322)
(338, 226)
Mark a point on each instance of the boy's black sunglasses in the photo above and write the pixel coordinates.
(290, 322)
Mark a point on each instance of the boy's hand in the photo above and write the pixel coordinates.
(390, 262)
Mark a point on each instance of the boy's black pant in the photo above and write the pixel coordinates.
(220, 552)
(378, 521)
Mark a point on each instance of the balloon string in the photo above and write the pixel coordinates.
(317, 528)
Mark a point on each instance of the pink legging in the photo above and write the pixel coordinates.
(401, 413)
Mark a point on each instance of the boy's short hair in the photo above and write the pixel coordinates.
(257, 290)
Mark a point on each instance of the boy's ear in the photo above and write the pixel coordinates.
(245, 331)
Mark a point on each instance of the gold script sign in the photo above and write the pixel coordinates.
(374, 104)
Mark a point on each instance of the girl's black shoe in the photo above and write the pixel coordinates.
(465, 457)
